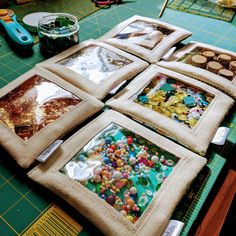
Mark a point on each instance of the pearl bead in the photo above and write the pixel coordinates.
(117, 175)
(132, 160)
(133, 190)
(90, 153)
(97, 178)
(154, 159)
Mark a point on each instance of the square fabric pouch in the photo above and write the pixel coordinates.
(212, 65)
(123, 177)
(36, 109)
(145, 37)
(95, 67)
(178, 106)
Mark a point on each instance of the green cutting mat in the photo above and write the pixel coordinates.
(203, 8)
(79, 8)
(24, 201)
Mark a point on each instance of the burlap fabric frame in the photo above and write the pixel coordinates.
(217, 81)
(104, 216)
(25, 152)
(199, 137)
(99, 91)
(158, 51)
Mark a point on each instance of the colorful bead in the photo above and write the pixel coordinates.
(129, 140)
(132, 160)
(97, 178)
(130, 202)
(149, 193)
(111, 200)
(108, 140)
(119, 168)
(117, 175)
(119, 163)
(130, 218)
(133, 190)
(143, 180)
(155, 159)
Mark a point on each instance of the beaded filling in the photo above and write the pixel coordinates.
(122, 168)
(174, 99)
(34, 104)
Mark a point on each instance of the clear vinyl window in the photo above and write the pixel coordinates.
(122, 168)
(95, 63)
(217, 63)
(144, 34)
(174, 99)
(34, 104)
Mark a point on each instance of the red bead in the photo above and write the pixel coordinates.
(151, 164)
(129, 140)
(113, 147)
(111, 199)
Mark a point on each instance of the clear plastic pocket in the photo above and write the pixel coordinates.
(34, 104)
(222, 64)
(174, 99)
(123, 168)
(144, 34)
(95, 63)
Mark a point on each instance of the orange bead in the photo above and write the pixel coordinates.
(118, 152)
(105, 173)
(130, 202)
(113, 147)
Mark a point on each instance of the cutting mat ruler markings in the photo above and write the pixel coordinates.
(189, 200)
(54, 222)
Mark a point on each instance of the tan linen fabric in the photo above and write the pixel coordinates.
(204, 75)
(105, 217)
(25, 152)
(197, 138)
(158, 51)
(99, 91)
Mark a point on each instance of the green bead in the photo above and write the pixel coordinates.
(158, 186)
(143, 180)
(141, 208)
(157, 166)
(108, 192)
(98, 188)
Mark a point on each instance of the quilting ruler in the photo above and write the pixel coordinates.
(54, 222)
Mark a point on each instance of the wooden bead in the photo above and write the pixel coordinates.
(209, 55)
(226, 73)
(199, 61)
(214, 66)
(232, 66)
(224, 59)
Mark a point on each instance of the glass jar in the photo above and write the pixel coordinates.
(57, 32)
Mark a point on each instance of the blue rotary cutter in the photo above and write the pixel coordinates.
(19, 36)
